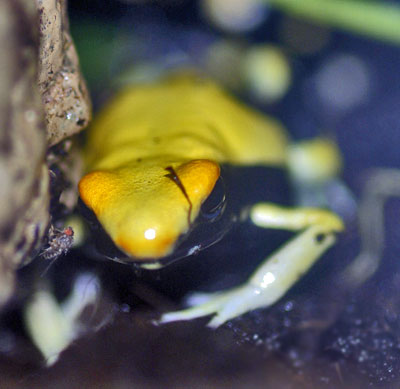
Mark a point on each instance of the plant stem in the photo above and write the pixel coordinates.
(372, 18)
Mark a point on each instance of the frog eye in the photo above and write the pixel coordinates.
(214, 206)
(215, 219)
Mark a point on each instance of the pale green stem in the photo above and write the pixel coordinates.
(372, 18)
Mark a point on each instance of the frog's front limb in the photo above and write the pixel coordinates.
(277, 273)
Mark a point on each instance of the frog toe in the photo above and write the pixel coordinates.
(223, 305)
(202, 304)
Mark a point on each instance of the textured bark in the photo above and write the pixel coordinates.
(64, 93)
(43, 99)
(23, 174)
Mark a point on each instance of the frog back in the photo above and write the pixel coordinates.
(183, 116)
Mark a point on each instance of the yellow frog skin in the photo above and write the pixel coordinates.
(153, 157)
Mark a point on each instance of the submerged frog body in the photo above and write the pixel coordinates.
(153, 158)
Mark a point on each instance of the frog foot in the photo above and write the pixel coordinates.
(271, 280)
(224, 306)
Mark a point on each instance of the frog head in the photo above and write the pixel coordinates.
(145, 207)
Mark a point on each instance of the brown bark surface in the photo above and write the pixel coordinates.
(64, 94)
(43, 99)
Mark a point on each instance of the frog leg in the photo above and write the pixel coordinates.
(272, 279)
(381, 185)
(53, 326)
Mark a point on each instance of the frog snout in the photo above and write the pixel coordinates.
(149, 243)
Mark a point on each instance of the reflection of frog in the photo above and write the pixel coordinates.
(153, 158)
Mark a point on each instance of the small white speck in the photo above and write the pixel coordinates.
(150, 234)
(268, 279)
(194, 250)
(289, 306)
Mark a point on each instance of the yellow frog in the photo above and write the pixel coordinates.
(153, 157)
